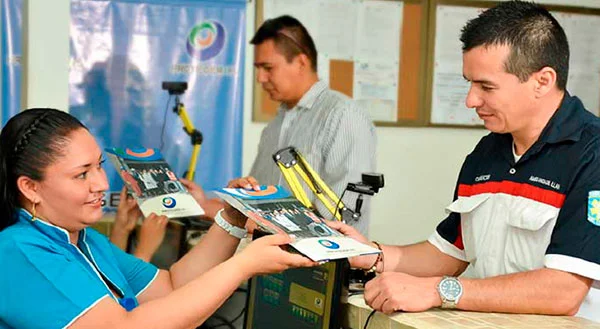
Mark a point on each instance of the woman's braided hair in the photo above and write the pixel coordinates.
(24, 139)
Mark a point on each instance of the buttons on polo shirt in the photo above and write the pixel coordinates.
(512, 171)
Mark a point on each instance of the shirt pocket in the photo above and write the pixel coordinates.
(530, 225)
(471, 210)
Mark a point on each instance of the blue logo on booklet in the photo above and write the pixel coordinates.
(329, 244)
(593, 215)
(169, 202)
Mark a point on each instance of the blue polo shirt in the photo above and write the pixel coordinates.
(47, 282)
(540, 211)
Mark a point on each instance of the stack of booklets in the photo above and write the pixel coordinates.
(153, 184)
(276, 211)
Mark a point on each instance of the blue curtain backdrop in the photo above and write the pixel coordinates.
(12, 29)
(122, 51)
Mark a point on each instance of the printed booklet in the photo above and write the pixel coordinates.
(152, 183)
(275, 210)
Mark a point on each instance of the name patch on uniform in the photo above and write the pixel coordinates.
(593, 215)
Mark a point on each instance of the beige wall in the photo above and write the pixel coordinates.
(420, 164)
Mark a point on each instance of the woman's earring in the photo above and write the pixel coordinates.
(33, 212)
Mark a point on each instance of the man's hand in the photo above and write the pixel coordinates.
(390, 292)
(231, 214)
(248, 182)
(362, 262)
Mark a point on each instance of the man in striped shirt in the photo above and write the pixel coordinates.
(329, 129)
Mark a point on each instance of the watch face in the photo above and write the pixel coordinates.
(450, 289)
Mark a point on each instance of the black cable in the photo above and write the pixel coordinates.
(369, 318)
(338, 205)
(224, 322)
(239, 315)
(162, 129)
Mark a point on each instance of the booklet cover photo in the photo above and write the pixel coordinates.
(275, 210)
(152, 183)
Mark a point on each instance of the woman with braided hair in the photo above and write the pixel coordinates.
(57, 272)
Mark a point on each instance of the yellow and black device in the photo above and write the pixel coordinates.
(308, 298)
(292, 163)
(177, 88)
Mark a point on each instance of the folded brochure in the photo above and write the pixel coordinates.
(275, 210)
(152, 183)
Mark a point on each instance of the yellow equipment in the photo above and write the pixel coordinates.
(290, 162)
(195, 136)
(178, 88)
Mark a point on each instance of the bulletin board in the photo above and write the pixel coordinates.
(425, 71)
(446, 88)
(371, 50)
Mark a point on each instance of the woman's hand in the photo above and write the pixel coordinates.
(195, 190)
(128, 213)
(265, 255)
(151, 236)
(127, 216)
(364, 262)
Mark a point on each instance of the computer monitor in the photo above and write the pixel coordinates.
(304, 298)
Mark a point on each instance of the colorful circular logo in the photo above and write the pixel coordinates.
(206, 40)
(329, 244)
(169, 202)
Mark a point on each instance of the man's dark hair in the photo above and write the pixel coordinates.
(535, 38)
(290, 37)
(30, 142)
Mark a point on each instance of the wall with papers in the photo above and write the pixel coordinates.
(373, 51)
(446, 87)
(403, 60)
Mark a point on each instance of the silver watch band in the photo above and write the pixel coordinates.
(234, 231)
(448, 304)
(449, 301)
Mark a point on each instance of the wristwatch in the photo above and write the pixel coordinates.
(450, 290)
(234, 231)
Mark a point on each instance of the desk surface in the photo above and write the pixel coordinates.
(357, 312)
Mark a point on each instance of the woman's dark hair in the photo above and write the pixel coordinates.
(29, 142)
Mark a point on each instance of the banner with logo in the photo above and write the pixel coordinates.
(12, 29)
(121, 53)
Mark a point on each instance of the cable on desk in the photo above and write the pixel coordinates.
(239, 315)
(369, 318)
(227, 323)
(224, 322)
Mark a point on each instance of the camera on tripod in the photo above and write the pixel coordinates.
(370, 184)
(175, 87)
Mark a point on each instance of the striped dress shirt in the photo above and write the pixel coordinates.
(335, 136)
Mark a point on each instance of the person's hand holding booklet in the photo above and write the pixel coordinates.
(276, 211)
(152, 183)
